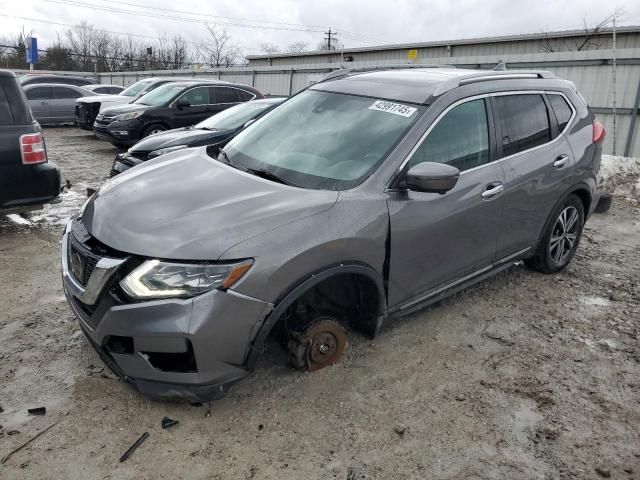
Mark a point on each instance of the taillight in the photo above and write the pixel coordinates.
(598, 132)
(33, 149)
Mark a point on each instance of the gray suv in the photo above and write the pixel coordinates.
(365, 197)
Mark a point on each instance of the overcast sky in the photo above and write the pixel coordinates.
(359, 22)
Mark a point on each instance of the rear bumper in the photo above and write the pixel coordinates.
(28, 186)
(173, 348)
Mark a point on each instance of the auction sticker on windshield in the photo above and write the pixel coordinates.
(395, 108)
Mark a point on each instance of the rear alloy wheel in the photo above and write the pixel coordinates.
(561, 238)
(321, 344)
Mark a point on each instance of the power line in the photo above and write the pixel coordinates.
(213, 16)
(114, 32)
(284, 25)
(77, 3)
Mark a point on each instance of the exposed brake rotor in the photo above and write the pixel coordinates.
(321, 344)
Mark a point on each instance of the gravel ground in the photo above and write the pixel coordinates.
(523, 376)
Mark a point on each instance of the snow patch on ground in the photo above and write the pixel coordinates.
(595, 301)
(60, 213)
(617, 171)
(15, 218)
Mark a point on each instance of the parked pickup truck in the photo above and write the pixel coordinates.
(27, 179)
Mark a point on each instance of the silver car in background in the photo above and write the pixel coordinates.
(366, 197)
(53, 103)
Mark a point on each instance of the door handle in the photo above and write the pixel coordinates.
(492, 190)
(561, 162)
(43, 103)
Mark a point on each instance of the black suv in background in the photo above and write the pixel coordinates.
(214, 131)
(174, 105)
(27, 179)
(87, 108)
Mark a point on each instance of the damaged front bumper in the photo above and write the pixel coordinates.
(172, 348)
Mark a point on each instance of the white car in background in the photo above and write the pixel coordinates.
(87, 108)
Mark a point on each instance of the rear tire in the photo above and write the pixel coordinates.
(561, 237)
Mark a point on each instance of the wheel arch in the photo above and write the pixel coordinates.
(583, 192)
(306, 284)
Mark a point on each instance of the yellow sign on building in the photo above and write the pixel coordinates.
(412, 54)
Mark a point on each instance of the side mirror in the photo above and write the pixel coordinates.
(182, 104)
(432, 177)
(249, 122)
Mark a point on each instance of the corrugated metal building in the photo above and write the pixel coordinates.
(585, 60)
(568, 40)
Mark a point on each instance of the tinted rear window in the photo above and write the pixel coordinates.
(244, 96)
(6, 117)
(64, 92)
(39, 93)
(524, 122)
(225, 95)
(562, 110)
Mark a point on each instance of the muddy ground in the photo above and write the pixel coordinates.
(523, 376)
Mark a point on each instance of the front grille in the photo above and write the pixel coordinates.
(104, 120)
(82, 262)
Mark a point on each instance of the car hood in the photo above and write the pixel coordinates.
(127, 108)
(104, 98)
(187, 205)
(180, 136)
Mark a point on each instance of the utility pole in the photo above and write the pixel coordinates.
(614, 85)
(329, 34)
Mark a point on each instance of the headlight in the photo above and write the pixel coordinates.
(156, 279)
(127, 116)
(162, 151)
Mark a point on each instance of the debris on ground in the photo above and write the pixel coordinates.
(400, 428)
(37, 411)
(133, 447)
(17, 449)
(603, 471)
(168, 422)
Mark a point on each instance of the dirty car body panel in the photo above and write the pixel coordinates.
(298, 228)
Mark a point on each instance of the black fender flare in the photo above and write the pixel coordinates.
(281, 305)
(580, 186)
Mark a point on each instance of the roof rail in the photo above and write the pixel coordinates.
(342, 72)
(488, 75)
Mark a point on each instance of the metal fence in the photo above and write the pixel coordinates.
(590, 70)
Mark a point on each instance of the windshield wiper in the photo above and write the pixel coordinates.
(259, 172)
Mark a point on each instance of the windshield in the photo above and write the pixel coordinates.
(323, 140)
(234, 117)
(161, 95)
(133, 90)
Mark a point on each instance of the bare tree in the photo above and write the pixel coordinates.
(270, 48)
(297, 47)
(80, 40)
(590, 39)
(335, 45)
(220, 51)
(180, 52)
